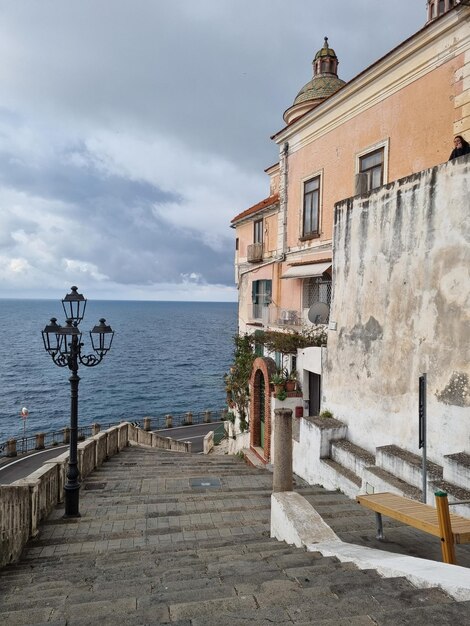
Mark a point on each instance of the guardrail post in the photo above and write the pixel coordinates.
(66, 435)
(169, 421)
(223, 414)
(11, 447)
(445, 527)
(39, 441)
(147, 423)
(95, 429)
(207, 417)
(282, 475)
(188, 418)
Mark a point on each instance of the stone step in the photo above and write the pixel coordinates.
(406, 465)
(454, 494)
(351, 456)
(457, 469)
(351, 480)
(377, 480)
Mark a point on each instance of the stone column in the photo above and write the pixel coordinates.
(66, 435)
(39, 441)
(11, 447)
(282, 478)
(169, 421)
(189, 419)
(147, 423)
(207, 417)
(95, 429)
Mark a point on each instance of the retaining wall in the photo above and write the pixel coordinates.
(25, 503)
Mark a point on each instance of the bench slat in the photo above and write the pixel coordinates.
(415, 514)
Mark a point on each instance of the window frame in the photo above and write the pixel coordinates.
(381, 145)
(260, 298)
(258, 234)
(315, 233)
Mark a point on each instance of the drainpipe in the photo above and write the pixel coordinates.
(283, 195)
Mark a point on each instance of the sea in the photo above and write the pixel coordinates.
(166, 357)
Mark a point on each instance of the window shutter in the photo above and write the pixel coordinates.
(268, 291)
(254, 291)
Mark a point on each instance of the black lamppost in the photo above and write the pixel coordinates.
(64, 345)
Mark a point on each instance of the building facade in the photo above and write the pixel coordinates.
(342, 140)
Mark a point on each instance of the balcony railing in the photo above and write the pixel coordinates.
(255, 253)
(285, 317)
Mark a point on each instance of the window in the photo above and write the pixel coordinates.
(316, 289)
(236, 243)
(372, 166)
(261, 296)
(441, 7)
(258, 231)
(311, 216)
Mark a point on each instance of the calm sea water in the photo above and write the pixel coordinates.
(166, 357)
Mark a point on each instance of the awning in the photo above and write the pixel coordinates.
(307, 271)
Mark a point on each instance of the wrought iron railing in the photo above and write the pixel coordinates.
(219, 434)
(61, 436)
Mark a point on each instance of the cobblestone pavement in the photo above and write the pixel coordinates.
(168, 538)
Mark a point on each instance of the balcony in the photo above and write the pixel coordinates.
(255, 253)
(285, 318)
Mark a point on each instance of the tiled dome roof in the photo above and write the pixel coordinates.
(325, 83)
(319, 87)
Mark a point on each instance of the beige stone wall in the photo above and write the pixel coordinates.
(402, 306)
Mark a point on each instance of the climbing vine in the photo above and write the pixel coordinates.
(238, 378)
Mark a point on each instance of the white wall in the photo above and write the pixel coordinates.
(402, 305)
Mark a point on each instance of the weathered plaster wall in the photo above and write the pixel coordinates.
(402, 304)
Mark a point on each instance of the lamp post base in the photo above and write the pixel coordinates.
(71, 499)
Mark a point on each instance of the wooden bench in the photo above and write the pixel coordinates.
(450, 528)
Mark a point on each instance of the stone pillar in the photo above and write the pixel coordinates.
(223, 417)
(207, 417)
(66, 435)
(282, 478)
(189, 419)
(169, 421)
(39, 441)
(11, 447)
(95, 429)
(147, 423)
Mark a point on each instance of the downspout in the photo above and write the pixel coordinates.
(283, 186)
(283, 195)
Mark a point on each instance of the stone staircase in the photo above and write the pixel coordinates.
(183, 539)
(353, 470)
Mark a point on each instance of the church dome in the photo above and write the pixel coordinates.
(325, 83)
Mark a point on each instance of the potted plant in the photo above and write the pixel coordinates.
(279, 382)
(291, 381)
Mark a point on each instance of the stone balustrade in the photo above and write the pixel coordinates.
(25, 503)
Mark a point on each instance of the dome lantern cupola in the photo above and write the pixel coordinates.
(436, 8)
(325, 83)
(325, 61)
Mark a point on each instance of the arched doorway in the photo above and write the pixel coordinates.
(260, 406)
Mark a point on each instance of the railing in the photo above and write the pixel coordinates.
(53, 438)
(219, 434)
(285, 318)
(255, 253)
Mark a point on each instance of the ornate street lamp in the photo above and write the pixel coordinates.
(64, 344)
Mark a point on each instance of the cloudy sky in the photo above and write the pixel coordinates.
(132, 131)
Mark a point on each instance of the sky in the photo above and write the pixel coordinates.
(133, 131)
